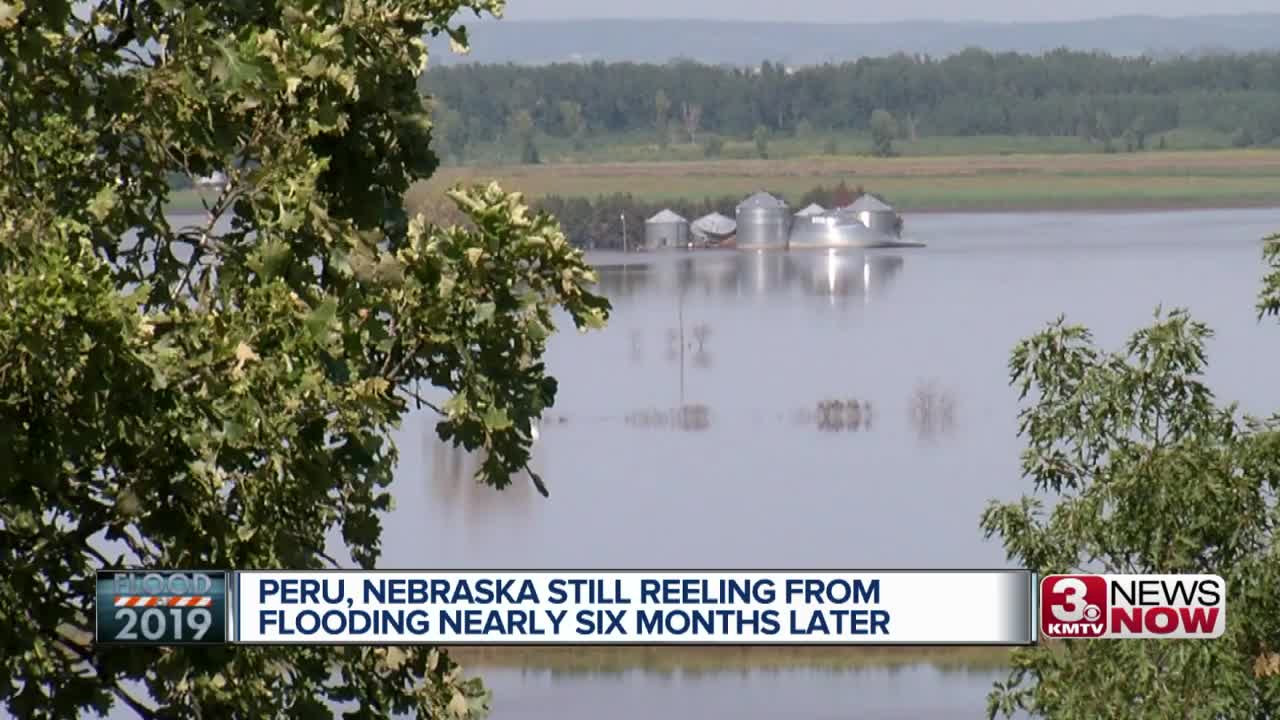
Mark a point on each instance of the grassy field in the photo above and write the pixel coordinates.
(643, 147)
(727, 659)
(1191, 179)
(991, 182)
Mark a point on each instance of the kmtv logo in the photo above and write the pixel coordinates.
(1133, 606)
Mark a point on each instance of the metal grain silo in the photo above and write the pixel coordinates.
(838, 229)
(665, 230)
(875, 214)
(810, 210)
(764, 222)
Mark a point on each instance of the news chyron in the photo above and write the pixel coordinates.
(162, 607)
(1133, 606)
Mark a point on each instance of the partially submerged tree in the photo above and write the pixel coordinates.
(220, 391)
(1147, 474)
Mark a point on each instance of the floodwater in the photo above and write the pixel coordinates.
(765, 472)
(762, 476)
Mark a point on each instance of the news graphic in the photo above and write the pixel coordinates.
(652, 607)
(161, 607)
(1133, 606)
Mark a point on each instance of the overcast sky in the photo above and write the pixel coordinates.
(845, 11)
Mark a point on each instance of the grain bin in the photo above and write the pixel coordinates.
(837, 229)
(875, 214)
(810, 210)
(666, 230)
(764, 222)
(713, 229)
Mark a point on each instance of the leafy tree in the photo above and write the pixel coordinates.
(884, 129)
(831, 146)
(970, 93)
(761, 138)
(713, 146)
(223, 395)
(662, 118)
(1241, 138)
(691, 115)
(450, 132)
(523, 130)
(1139, 128)
(574, 124)
(1148, 474)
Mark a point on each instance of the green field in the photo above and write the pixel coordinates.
(643, 147)
(1161, 180)
(987, 182)
(727, 659)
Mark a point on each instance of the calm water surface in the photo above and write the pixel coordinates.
(923, 336)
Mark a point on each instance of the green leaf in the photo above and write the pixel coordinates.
(9, 12)
(321, 318)
(496, 418)
(103, 203)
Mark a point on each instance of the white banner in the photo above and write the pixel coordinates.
(635, 607)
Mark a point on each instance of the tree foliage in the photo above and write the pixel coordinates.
(974, 92)
(884, 130)
(220, 392)
(1147, 474)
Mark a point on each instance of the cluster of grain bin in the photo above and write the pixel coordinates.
(765, 222)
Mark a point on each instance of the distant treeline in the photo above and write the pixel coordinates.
(597, 222)
(1116, 100)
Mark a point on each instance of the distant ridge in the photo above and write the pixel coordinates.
(537, 42)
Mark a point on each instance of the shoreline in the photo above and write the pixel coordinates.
(1120, 206)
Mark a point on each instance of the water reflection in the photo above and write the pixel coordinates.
(841, 415)
(833, 274)
(694, 417)
(931, 410)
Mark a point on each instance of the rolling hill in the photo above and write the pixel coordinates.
(808, 43)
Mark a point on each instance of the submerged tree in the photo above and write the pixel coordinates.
(1148, 474)
(220, 391)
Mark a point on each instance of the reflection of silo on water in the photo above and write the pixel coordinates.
(844, 274)
(764, 222)
(625, 279)
(761, 272)
(720, 270)
(666, 230)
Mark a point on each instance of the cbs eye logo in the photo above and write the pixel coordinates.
(1073, 606)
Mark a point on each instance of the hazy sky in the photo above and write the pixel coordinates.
(845, 11)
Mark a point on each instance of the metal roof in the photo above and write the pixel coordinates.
(812, 209)
(761, 199)
(715, 224)
(666, 216)
(868, 202)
